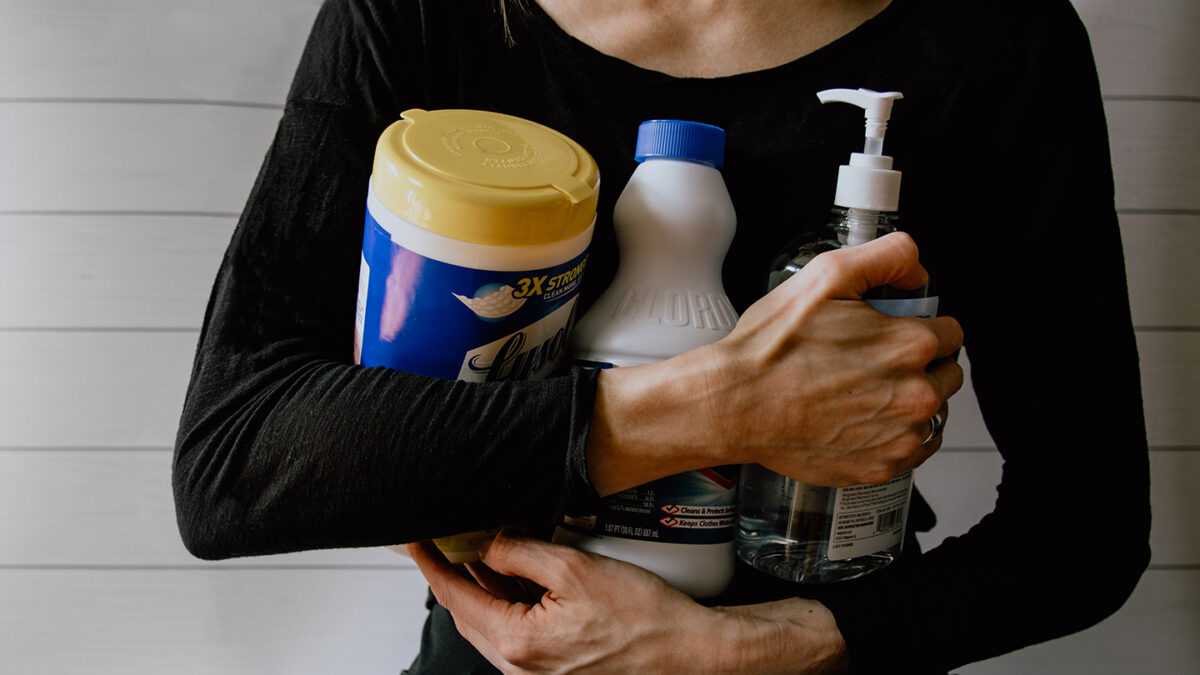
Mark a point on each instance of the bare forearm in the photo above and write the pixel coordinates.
(786, 636)
(650, 422)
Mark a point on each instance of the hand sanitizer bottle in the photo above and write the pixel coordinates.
(807, 533)
(674, 223)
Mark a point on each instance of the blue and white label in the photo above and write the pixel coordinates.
(920, 308)
(429, 317)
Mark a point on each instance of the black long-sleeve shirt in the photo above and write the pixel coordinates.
(285, 445)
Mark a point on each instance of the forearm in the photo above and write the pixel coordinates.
(652, 421)
(324, 454)
(785, 636)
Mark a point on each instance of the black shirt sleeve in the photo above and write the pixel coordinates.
(284, 444)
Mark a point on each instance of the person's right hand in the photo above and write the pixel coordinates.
(591, 614)
(812, 383)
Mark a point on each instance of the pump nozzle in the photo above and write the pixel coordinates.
(878, 107)
(868, 181)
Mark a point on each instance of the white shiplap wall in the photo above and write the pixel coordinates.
(156, 113)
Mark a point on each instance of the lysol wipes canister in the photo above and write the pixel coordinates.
(474, 246)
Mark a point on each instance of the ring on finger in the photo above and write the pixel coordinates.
(936, 424)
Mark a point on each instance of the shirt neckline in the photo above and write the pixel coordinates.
(589, 57)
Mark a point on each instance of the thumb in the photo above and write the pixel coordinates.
(551, 566)
(848, 273)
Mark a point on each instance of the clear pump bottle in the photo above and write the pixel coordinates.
(674, 222)
(807, 533)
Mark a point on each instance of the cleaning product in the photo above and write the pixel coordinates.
(807, 533)
(476, 237)
(674, 222)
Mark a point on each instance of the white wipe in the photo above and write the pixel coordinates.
(498, 304)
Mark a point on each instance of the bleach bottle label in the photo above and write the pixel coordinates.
(694, 507)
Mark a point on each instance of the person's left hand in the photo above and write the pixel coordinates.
(596, 614)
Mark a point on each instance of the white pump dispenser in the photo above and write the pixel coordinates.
(868, 181)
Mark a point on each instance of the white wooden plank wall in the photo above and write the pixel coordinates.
(156, 115)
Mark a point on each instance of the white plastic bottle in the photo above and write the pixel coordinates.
(807, 533)
(674, 223)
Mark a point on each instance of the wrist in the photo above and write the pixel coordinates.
(652, 421)
(785, 636)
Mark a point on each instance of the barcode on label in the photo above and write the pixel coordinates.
(889, 520)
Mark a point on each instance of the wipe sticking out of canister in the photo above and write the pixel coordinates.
(474, 247)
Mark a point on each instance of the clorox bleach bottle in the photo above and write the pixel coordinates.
(674, 222)
(475, 240)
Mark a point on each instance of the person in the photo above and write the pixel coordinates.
(285, 445)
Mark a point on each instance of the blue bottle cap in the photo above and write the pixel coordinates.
(693, 141)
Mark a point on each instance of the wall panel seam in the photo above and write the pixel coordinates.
(146, 101)
(99, 329)
(213, 566)
(1165, 98)
(167, 448)
(1152, 98)
(117, 212)
(324, 568)
(1158, 212)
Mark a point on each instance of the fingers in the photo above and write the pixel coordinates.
(949, 335)
(946, 376)
(548, 565)
(890, 260)
(509, 588)
(464, 598)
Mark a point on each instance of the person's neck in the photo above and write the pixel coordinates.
(709, 38)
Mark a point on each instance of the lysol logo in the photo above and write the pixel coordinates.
(530, 353)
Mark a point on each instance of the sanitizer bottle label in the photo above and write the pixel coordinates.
(428, 317)
(919, 308)
(869, 518)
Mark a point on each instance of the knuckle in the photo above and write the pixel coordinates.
(460, 626)
(903, 451)
(955, 330)
(906, 245)
(828, 267)
(903, 239)
(568, 565)
(878, 474)
(926, 403)
(925, 342)
(920, 342)
(512, 651)
(499, 547)
(917, 401)
(518, 652)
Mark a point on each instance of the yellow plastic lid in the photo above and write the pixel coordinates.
(485, 177)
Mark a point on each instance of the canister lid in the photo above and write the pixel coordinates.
(485, 177)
